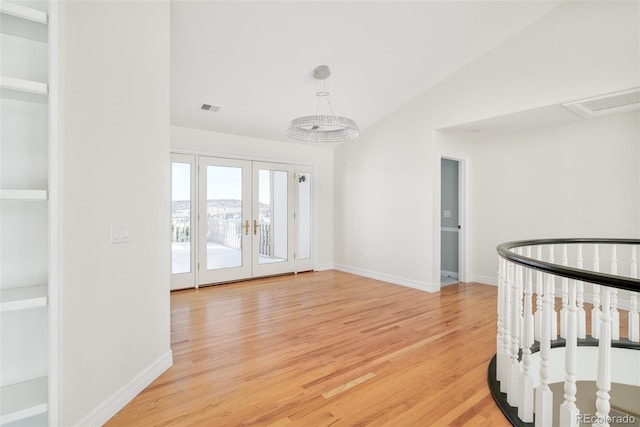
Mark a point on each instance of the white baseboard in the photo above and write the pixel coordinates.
(107, 409)
(324, 267)
(396, 280)
(624, 298)
(487, 280)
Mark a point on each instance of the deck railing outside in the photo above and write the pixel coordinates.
(225, 232)
(532, 274)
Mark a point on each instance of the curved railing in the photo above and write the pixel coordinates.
(538, 346)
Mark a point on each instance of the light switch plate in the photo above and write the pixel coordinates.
(447, 214)
(120, 233)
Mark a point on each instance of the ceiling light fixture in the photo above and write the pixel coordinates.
(323, 127)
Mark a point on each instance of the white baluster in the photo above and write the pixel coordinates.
(565, 296)
(595, 311)
(500, 334)
(604, 362)
(634, 318)
(539, 289)
(568, 410)
(506, 321)
(525, 408)
(554, 315)
(514, 373)
(544, 395)
(520, 300)
(582, 318)
(615, 315)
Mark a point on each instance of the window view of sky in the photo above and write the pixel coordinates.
(222, 183)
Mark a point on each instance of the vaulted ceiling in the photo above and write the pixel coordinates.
(255, 59)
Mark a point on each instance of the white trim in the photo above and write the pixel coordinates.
(56, 137)
(463, 205)
(107, 409)
(325, 267)
(396, 280)
(252, 158)
(486, 280)
(624, 297)
(189, 279)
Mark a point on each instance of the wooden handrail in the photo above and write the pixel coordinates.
(619, 282)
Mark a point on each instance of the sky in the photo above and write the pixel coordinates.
(223, 182)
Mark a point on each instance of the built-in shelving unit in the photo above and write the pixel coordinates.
(23, 400)
(22, 85)
(23, 298)
(25, 214)
(24, 12)
(23, 195)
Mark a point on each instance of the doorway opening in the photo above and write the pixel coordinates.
(451, 219)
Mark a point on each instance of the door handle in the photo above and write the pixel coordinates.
(255, 227)
(246, 228)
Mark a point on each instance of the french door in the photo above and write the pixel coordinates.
(246, 223)
(273, 243)
(183, 204)
(224, 220)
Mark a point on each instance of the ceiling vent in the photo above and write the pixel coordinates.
(209, 107)
(619, 102)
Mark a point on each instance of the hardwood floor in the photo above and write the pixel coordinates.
(325, 348)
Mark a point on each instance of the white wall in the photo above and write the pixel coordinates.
(234, 146)
(387, 180)
(114, 163)
(573, 180)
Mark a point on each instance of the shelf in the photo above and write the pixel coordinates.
(23, 298)
(20, 85)
(24, 195)
(24, 12)
(23, 400)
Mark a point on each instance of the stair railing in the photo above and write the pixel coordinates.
(530, 278)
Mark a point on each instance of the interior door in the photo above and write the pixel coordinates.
(224, 220)
(183, 256)
(273, 231)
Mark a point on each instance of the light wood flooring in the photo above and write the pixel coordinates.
(325, 348)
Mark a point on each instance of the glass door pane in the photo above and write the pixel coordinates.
(273, 209)
(225, 207)
(182, 221)
(272, 216)
(224, 217)
(180, 218)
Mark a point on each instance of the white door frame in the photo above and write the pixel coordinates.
(187, 280)
(287, 265)
(462, 219)
(304, 264)
(244, 270)
(194, 279)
